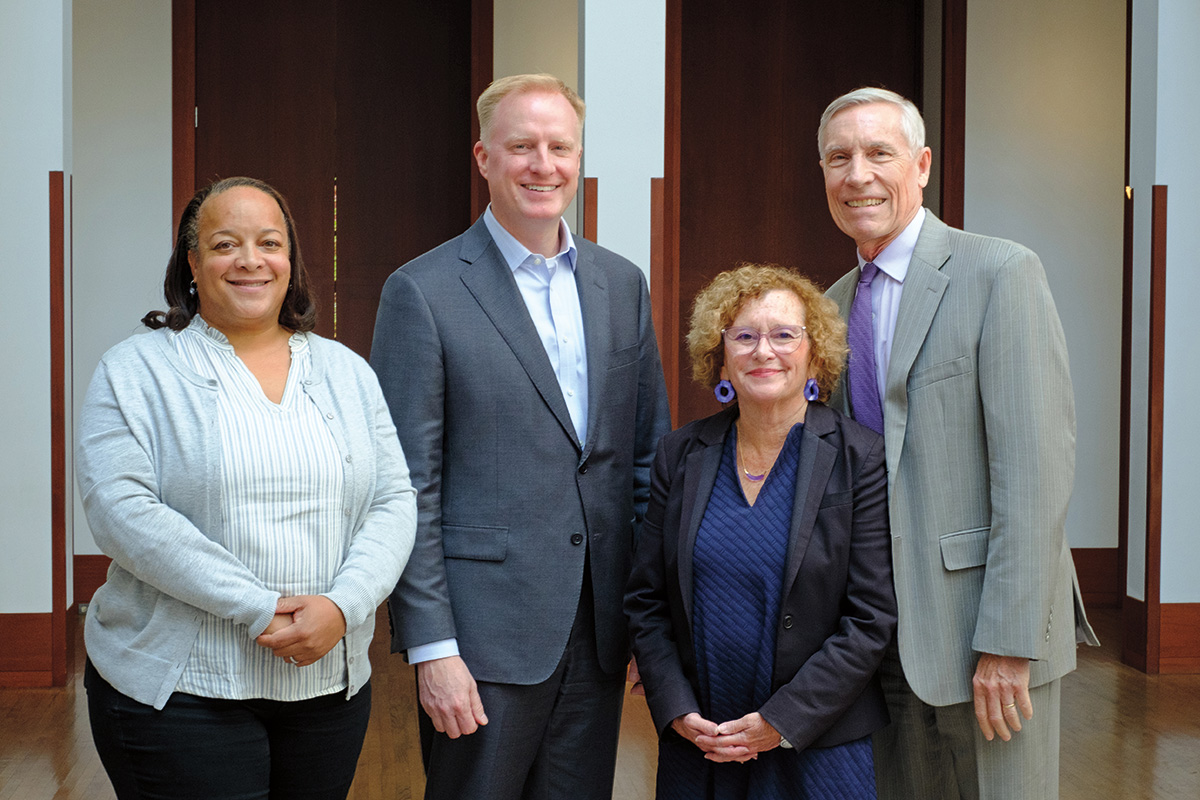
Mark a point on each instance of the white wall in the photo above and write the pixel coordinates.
(32, 44)
(623, 80)
(1178, 115)
(122, 134)
(1045, 146)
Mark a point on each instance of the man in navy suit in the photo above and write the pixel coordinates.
(522, 371)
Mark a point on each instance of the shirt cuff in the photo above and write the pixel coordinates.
(428, 652)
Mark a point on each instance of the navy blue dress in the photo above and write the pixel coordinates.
(738, 563)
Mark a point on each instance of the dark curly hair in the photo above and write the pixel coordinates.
(299, 310)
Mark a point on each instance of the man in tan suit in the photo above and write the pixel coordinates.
(963, 368)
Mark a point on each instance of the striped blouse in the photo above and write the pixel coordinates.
(282, 494)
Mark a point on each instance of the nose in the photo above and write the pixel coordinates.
(762, 348)
(541, 159)
(249, 258)
(859, 171)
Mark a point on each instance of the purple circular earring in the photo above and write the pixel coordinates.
(724, 391)
(811, 390)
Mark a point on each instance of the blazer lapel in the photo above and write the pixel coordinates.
(592, 284)
(817, 458)
(700, 475)
(492, 284)
(924, 286)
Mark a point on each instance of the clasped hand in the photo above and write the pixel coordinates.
(304, 629)
(737, 740)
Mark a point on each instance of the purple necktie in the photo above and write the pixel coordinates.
(864, 387)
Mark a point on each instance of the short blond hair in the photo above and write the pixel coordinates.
(501, 88)
(718, 304)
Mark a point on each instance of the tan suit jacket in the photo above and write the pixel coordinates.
(979, 429)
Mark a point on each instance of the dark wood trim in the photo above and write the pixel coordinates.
(660, 308)
(1180, 638)
(954, 110)
(183, 106)
(591, 196)
(1154, 433)
(58, 430)
(27, 657)
(482, 56)
(668, 288)
(1099, 581)
(1125, 423)
(1133, 633)
(90, 572)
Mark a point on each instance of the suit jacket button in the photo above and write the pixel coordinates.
(583, 469)
(787, 622)
(576, 538)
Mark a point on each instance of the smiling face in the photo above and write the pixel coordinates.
(873, 181)
(240, 264)
(531, 163)
(764, 377)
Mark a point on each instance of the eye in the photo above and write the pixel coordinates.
(784, 335)
(271, 244)
(742, 336)
(223, 246)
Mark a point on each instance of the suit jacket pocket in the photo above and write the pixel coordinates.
(939, 372)
(837, 498)
(626, 355)
(475, 542)
(963, 549)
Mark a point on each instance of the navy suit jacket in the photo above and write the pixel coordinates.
(838, 612)
(510, 505)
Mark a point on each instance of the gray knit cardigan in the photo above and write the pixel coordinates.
(148, 464)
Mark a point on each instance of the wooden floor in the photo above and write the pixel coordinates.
(1125, 735)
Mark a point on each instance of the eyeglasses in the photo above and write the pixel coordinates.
(784, 339)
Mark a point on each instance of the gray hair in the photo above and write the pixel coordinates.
(911, 123)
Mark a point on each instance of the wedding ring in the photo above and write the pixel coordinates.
(1010, 705)
(293, 660)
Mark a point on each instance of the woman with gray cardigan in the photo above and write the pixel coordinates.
(244, 475)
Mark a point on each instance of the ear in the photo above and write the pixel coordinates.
(924, 162)
(192, 262)
(481, 158)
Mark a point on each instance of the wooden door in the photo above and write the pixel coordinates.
(360, 113)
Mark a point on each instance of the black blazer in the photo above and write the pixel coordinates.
(839, 609)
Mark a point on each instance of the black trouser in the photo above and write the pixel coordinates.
(227, 749)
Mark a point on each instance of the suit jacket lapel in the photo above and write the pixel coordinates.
(924, 286)
(592, 284)
(492, 284)
(700, 475)
(817, 458)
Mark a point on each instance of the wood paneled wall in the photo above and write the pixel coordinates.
(742, 175)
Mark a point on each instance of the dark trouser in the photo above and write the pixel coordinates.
(555, 740)
(939, 753)
(227, 749)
